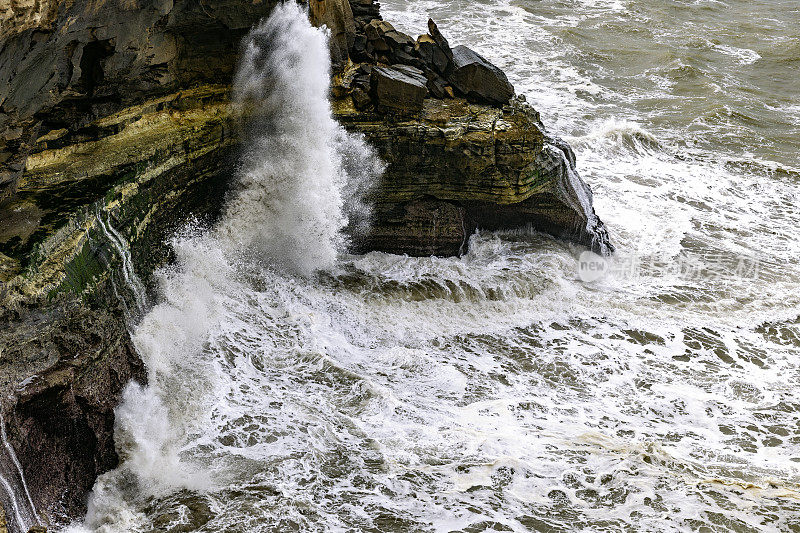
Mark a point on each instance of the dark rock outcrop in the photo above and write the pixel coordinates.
(471, 166)
(437, 58)
(489, 164)
(61, 421)
(365, 11)
(433, 56)
(97, 120)
(478, 79)
(441, 224)
(448, 71)
(399, 87)
(443, 47)
(337, 16)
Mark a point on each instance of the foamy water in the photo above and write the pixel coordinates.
(294, 387)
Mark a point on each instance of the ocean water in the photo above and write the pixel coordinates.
(294, 387)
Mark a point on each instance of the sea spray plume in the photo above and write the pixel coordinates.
(302, 176)
(290, 203)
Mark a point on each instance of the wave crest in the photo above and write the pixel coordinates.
(623, 135)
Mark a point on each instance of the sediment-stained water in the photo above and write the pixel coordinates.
(499, 391)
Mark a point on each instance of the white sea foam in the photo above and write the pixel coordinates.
(745, 56)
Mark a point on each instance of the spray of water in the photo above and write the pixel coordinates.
(291, 201)
(301, 181)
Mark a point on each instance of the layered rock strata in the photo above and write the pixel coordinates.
(102, 132)
(66, 352)
(456, 167)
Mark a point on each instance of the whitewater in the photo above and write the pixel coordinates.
(295, 387)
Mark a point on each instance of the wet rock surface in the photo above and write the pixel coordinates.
(456, 142)
(440, 223)
(497, 167)
(63, 64)
(66, 353)
(478, 79)
(76, 358)
(401, 87)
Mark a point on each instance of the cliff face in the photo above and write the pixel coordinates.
(458, 166)
(66, 352)
(98, 134)
(79, 82)
(65, 65)
(115, 128)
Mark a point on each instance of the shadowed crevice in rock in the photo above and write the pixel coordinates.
(93, 57)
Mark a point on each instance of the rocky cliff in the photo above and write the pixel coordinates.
(115, 128)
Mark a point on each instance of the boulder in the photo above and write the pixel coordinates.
(432, 55)
(439, 39)
(399, 87)
(359, 49)
(365, 11)
(404, 58)
(361, 99)
(396, 39)
(379, 45)
(478, 79)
